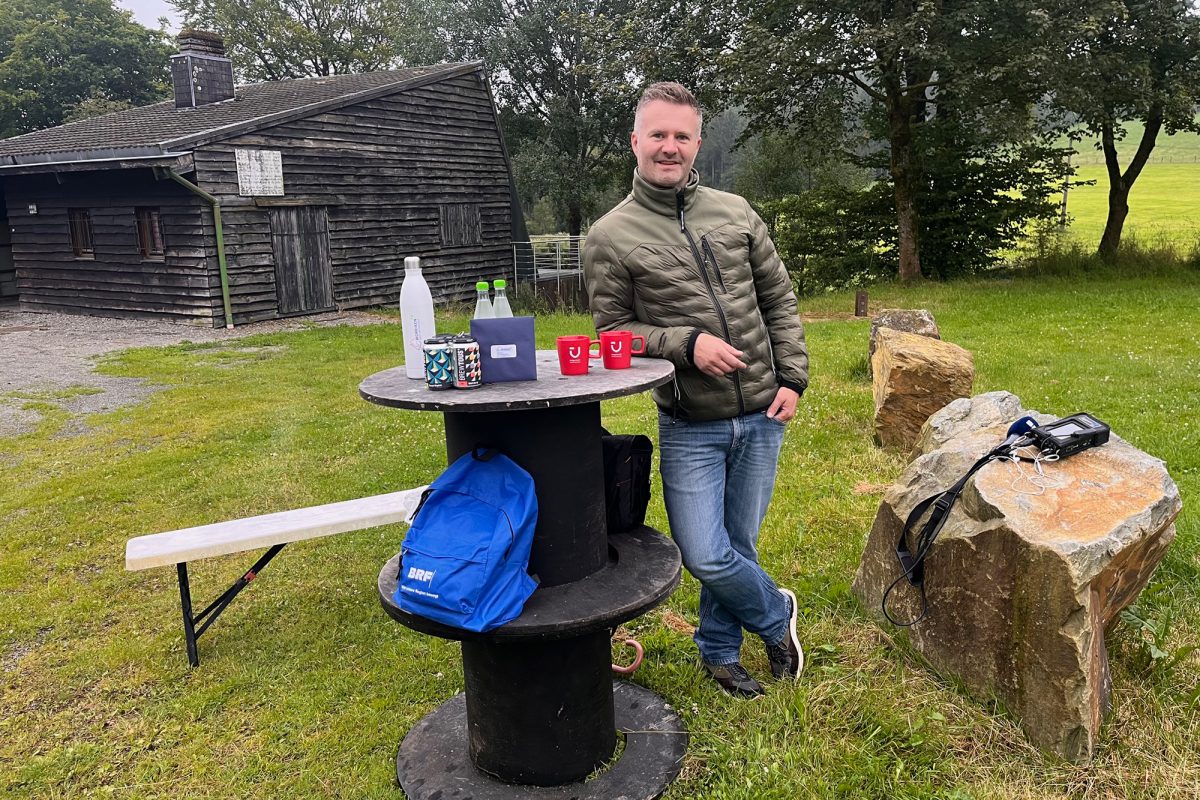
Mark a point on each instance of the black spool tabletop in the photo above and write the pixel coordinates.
(642, 571)
(552, 389)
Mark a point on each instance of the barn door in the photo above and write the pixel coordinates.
(303, 272)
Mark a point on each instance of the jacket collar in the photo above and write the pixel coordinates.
(663, 201)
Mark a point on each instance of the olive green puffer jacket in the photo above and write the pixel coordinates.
(670, 265)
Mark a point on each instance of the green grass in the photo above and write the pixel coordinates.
(1164, 206)
(1164, 203)
(1182, 148)
(305, 687)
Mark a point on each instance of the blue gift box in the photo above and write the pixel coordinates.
(506, 348)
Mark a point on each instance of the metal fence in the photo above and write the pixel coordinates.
(550, 267)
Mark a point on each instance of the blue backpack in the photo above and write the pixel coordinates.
(463, 562)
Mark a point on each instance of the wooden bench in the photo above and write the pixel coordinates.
(271, 531)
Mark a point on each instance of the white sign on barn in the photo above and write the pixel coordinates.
(260, 173)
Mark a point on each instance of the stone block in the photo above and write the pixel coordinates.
(912, 377)
(909, 320)
(1028, 573)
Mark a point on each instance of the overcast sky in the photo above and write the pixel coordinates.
(147, 12)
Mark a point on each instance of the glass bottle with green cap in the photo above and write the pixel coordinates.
(483, 306)
(500, 306)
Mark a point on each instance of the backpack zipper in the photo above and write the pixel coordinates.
(699, 259)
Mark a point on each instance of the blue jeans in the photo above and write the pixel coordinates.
(717, 482)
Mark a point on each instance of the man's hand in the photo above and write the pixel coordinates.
(716, 357)
(783, 407)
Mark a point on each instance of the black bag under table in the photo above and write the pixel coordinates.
(541, 711)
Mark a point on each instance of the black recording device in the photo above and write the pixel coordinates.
(1069, 435)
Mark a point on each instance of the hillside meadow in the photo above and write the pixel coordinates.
(305, 687)
(1164, 203)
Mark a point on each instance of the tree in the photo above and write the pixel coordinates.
(1142, 62)
(277, 39)
(981, 188)
(56, 54)
(777, 164)
(567, 74)
(718, 160)
(976, 197)
(95, 105)
(815, 66)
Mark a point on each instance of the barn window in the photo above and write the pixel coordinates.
(81, 232)
(149, 228)
(460, 224)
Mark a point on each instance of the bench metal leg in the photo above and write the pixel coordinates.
(189, 627)
(209, 615)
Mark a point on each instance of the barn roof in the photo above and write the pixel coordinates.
(163, 130)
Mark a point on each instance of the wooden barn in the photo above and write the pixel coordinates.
(229, 205)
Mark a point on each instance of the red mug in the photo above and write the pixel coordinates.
(617, 347)
(573, 354)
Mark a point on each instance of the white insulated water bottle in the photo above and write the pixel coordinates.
(416, 317)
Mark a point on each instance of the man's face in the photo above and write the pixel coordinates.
(665, 139)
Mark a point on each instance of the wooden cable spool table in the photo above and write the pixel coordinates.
(540, 711)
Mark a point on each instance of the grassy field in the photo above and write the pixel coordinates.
(1164, 203)
(1164, 206)
(305, 687)
(1182, 148)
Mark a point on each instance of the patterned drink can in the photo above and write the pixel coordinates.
(468, 371)
(439, 363)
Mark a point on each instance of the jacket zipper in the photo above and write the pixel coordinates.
(708, 251)
(699, 259)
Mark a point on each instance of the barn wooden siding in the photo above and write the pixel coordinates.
(117, 281)
(389, 172)
(8, 273)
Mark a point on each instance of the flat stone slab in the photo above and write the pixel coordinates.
(552, 389)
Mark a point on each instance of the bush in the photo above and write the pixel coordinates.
(972, 213)
(1063, 257)
(830, 237)
(977, 202)
(980, 187)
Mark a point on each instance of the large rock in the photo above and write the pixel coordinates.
(912, 377)
(909, 320)
(1024, 580)
(967, 415)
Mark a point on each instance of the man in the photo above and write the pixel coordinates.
(694, 271)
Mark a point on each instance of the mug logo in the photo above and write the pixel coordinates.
(615, 347)
(574, 352)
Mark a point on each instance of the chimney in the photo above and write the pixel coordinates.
(200, 73)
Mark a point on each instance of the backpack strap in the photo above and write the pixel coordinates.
(484, 452)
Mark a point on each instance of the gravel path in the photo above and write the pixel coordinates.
(43, 354)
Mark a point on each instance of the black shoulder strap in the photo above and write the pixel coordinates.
(912, 561)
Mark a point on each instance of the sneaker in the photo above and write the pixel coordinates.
(787, 657)
(735, 680)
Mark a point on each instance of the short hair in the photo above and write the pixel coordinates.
(668, 92)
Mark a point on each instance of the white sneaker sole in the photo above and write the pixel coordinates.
(792, 628)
